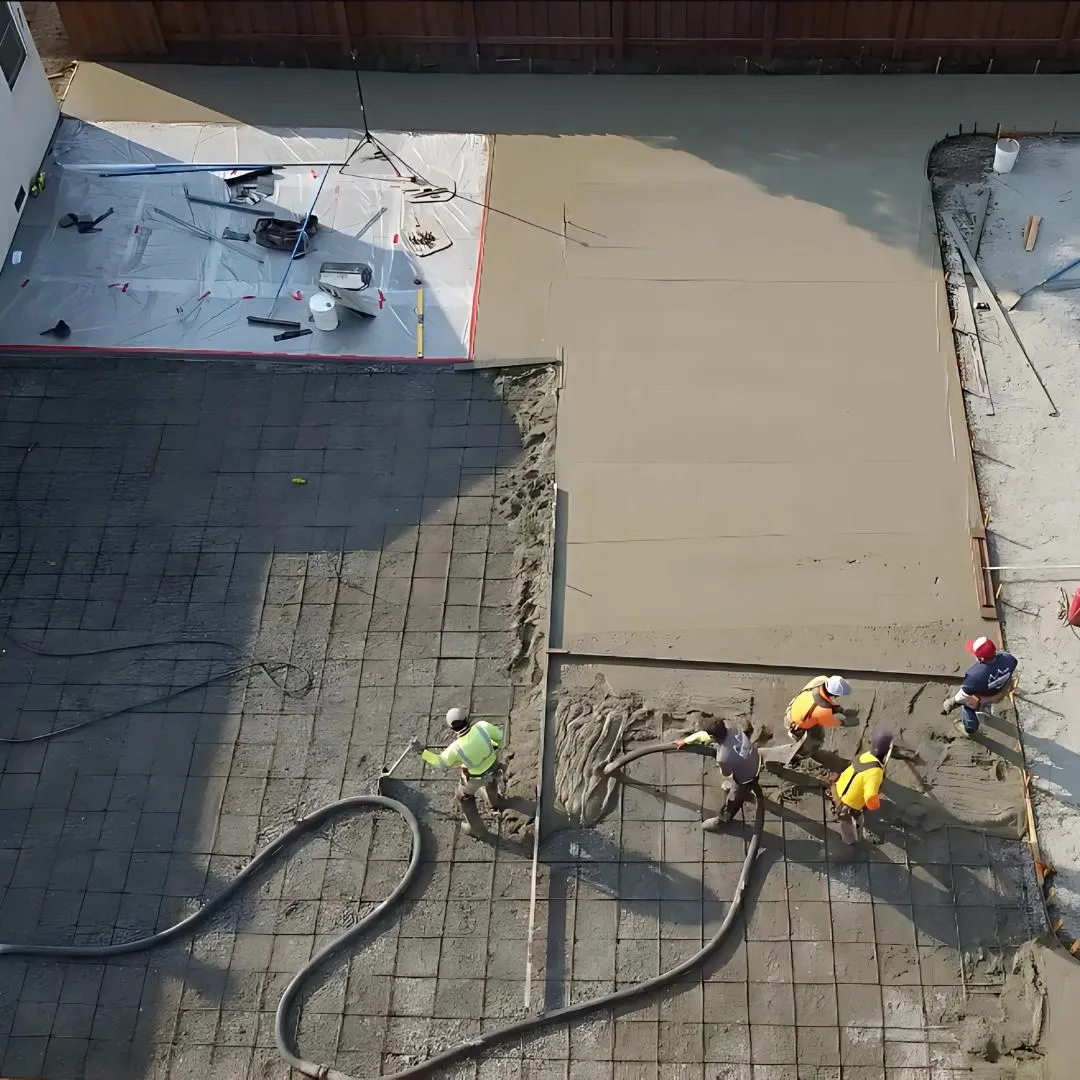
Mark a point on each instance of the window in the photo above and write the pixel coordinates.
(12, 50)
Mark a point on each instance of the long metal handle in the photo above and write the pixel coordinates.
(403, 755)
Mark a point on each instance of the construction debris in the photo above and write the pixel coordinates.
(84, 225)
(279, 234)
(261, 320)
(1031, 232)
(60, 330)
(232, 205)
(204, 234)
(989, 297)
(424, 235)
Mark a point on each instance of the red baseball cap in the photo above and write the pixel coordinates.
(982, 648)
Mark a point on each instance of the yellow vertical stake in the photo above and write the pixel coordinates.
(420, 323)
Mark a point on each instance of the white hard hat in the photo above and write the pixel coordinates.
(457, 718)
(837, 686)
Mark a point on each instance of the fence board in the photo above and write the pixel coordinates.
(583, 35)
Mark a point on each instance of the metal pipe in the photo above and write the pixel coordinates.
(204, 234)
(242, 207)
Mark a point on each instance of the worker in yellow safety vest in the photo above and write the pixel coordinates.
(858, 788)
(475, 753)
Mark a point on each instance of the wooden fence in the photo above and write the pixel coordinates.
(587, 35)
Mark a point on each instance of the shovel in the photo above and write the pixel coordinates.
(781, 755)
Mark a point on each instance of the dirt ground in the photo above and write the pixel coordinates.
(53, 47)
(1026, 459)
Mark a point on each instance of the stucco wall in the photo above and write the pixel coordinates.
(28, 115)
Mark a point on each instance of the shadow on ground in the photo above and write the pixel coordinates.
(158, 502)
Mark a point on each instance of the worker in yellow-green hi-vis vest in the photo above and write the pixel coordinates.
(475, 754)
(858, 788)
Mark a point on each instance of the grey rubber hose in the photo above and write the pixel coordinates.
(470, 1048)
(644, 749)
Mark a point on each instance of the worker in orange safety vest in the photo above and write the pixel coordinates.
(475, 753)
(815, 708)
(858, 787)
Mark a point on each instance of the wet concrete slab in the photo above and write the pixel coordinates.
(833, 966)
(869, 958)
(742, 278)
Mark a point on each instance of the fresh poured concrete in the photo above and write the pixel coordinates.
(761, 437)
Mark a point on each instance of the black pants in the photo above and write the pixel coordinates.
(738, 794)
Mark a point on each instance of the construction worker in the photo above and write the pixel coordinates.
(816, 707)
(738, 760)
(858, 787)
(475, 753)
(991, 678)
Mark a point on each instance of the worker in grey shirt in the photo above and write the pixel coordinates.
(738, 760)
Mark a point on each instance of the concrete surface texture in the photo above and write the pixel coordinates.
(938, 777)
(810, 501)
(850, 963)
(898, 959)
(155, 504)
(1027, 463)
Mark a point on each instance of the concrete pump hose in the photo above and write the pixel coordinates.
(641, 751)
(470, 1048)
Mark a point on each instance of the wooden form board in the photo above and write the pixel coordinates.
(1031, 232)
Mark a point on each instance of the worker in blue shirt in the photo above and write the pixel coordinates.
(991, 678)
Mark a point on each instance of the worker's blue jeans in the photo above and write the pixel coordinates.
(971, 719)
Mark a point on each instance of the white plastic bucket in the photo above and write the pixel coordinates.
(323, 308)
(1005, 155)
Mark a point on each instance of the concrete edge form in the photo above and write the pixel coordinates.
(987, 581)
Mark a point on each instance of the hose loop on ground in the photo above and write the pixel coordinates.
(518, 1029)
